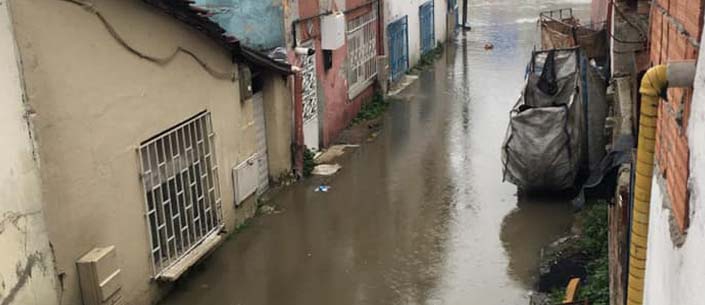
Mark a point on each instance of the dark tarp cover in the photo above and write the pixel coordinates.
(545, 140)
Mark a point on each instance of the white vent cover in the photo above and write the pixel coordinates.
(245, 179)
(99, 275)
(332, 31)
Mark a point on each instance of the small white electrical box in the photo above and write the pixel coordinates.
(99, 277)
(245, 179)
(333, 31)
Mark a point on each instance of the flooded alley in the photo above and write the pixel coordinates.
(420, 215)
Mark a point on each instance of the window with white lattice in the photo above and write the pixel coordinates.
(362, 51)
(181, 189)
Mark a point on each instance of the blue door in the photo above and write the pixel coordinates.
(398, 48)
(428, 39)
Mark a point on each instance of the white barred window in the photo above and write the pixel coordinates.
(181, 189)
(362, 51)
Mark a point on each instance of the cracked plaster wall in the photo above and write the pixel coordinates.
(95, 102)
(26, 264)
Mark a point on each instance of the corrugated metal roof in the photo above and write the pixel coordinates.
(198, 18)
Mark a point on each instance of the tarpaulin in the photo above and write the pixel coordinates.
(560, 34)
(546, 139)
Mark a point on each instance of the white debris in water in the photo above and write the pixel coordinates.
(326, 169)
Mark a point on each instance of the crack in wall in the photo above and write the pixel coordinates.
(14, 218)
(24, 274)
(90, 8)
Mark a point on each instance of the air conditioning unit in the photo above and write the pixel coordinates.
(99, 277)
(333, 31)
(245, 179)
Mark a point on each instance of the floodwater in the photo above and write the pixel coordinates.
(418, 216)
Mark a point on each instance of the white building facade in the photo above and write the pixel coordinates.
(413, 28)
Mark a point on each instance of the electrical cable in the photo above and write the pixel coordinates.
(160, 61)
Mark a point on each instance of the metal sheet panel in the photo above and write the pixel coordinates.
(398, 48)
(261, 142)
(426, 23)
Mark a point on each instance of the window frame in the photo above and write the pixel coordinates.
(179, 171)
(361, 33)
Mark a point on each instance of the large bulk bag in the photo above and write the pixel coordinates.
(546, 142)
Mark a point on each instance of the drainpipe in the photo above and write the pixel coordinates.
(653, 86)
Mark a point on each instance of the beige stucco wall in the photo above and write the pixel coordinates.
(278, 120)
(26, 265)
(95, 102)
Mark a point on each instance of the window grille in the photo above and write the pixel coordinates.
(181, 188)
(362, 51)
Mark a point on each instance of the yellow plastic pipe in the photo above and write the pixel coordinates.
(571, 291)
(652, 84)
(656, 80)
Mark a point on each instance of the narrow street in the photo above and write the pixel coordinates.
(418, 216)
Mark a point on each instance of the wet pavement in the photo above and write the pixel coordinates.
(418, 216)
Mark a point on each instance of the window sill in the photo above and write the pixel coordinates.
(355, 90)
(177, 269)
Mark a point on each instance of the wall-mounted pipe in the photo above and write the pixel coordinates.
(653, 86)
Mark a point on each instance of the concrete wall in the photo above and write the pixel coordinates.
(95, 101)
(675, 272)
(27, 275)
(618, 214)
(278, 108)
(256, 23)
(440, 19)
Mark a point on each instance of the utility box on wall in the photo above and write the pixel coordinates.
(333, 31)
(99, 277)
(245, 179)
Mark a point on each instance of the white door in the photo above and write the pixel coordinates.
(261, 142)
(310, 101)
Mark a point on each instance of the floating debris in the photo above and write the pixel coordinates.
(268, 210)
(333, 153)
(326, 169)
(322, 188)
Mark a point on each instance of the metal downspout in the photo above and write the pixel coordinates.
(653, 85)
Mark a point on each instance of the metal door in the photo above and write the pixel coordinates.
(310, 100)
(398, 48)
(261, 143)
(426, 22)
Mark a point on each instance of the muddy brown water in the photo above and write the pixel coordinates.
(418, 216)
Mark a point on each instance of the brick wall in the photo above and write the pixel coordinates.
(675, 26)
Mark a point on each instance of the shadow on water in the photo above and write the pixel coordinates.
(533, 224)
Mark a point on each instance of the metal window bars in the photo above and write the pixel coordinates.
(181, 189)
(563, 14)
(362, 51)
